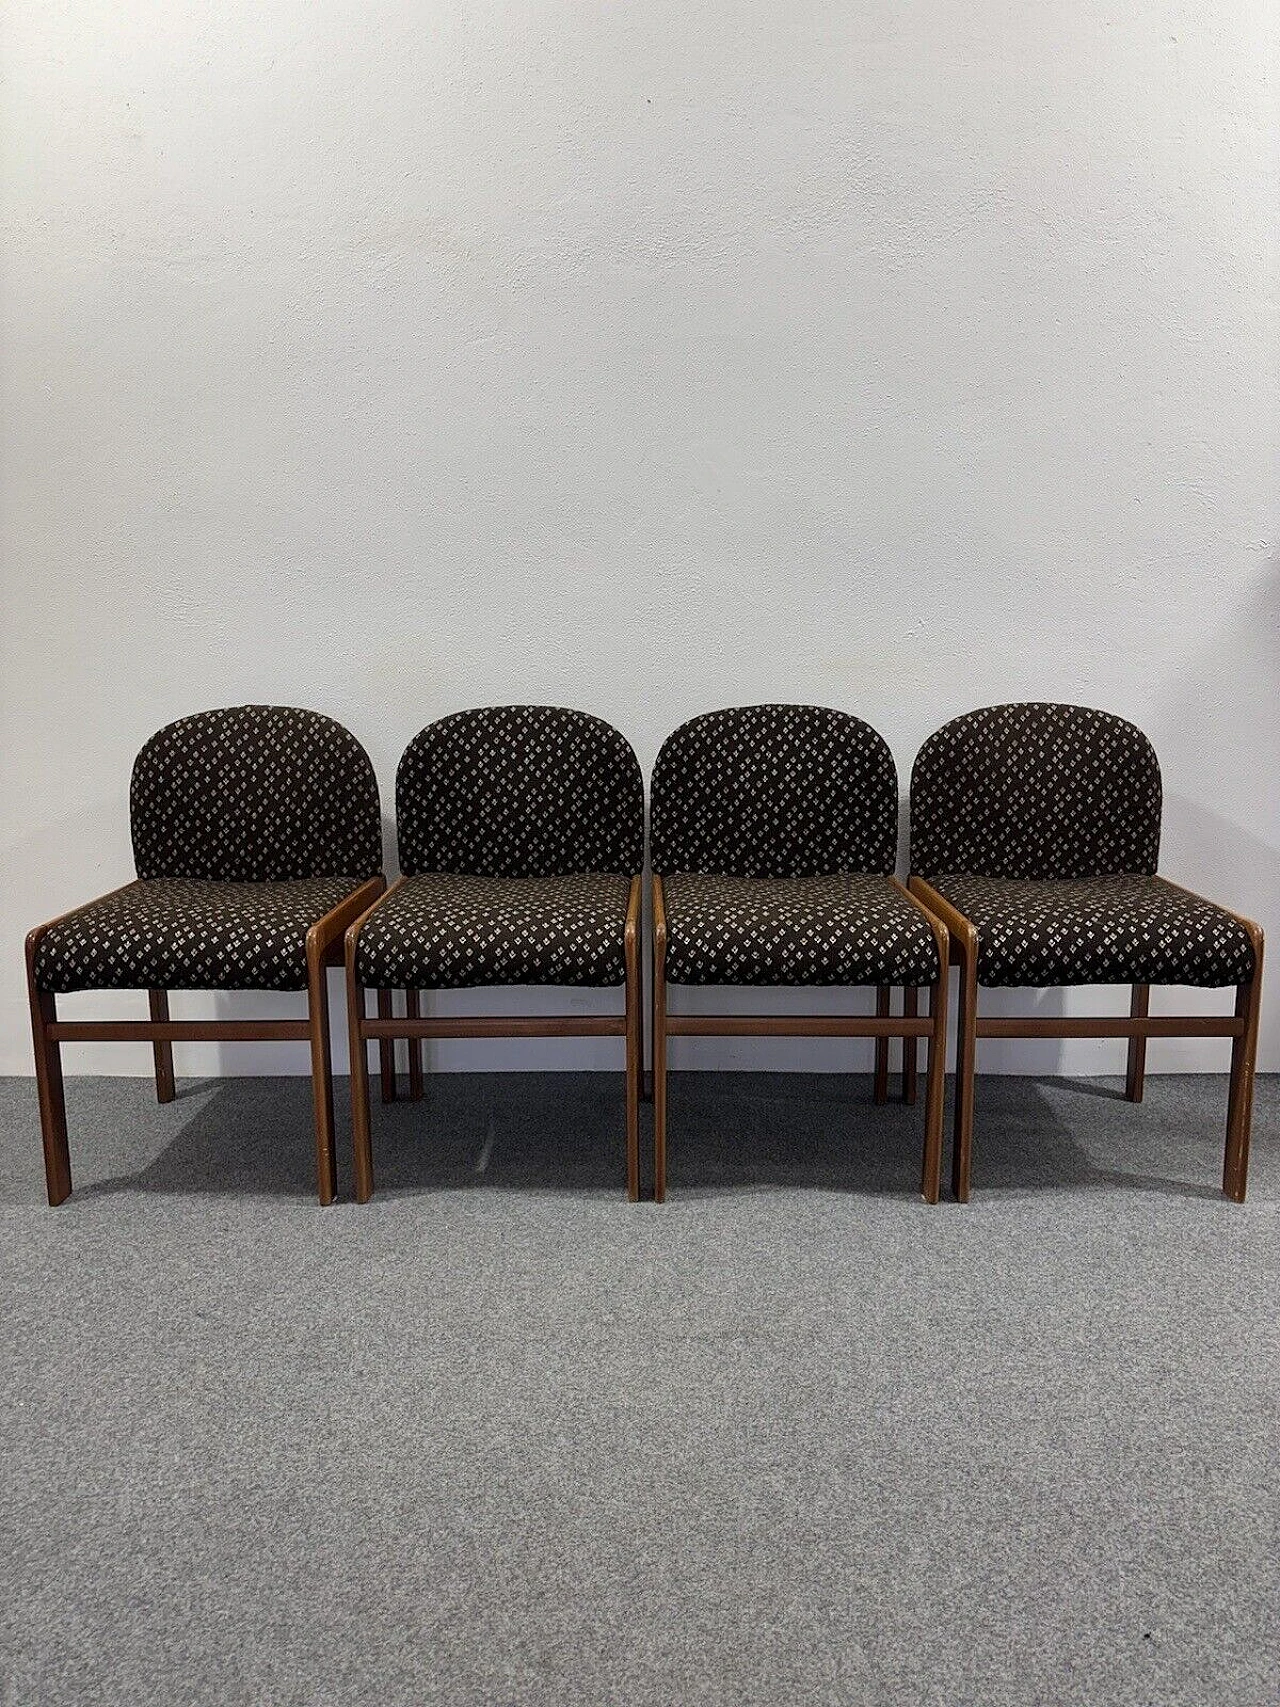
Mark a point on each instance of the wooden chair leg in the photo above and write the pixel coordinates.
(935, 1087)
(1139, 1007)
(1244, 1053)
(966, 1052)
(361, 1143)
(883, 993)
(53, 1108)
(635, 1070)
(322, 1078)
(162, 1053)
(413, 1008)
(659, 1081)
(386, 1050)
(910, 1051)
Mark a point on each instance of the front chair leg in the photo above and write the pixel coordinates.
(635, 1065)
(881, 1093)
(936, 1083)
(1135, 1075)
(321, 1075)
(53, 1108)
(910, 1050)
(966, 1059)
(162, 1051)
(1244, 1051)
(361, 1143)
(659, 1045)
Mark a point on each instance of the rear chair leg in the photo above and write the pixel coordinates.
(910, 1051)
(413, 1009)
(1139, 1007)
(1244, 1051)
(53, 1108)
(162, 1052)
(386, 1051)
(882, 1047)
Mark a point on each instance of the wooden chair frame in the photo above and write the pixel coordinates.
(1241, 1027)
(49, 1033)
(883, 1026)
(387, 1027)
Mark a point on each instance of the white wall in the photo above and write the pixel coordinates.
(389, 359)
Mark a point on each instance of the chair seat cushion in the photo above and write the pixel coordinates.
(189, 934)
(1098, 930)
(443, 931)
(852, 928)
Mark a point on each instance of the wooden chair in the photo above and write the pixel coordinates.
(257, 838)
(1035, 832)
(521, 838)
(774, 832)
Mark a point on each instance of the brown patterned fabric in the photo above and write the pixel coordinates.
(774, 791)
(255, 794)
(520, 791)
(447, 931)
(1036, 791)
(188, 934)
(844, 929)
(1103, 930)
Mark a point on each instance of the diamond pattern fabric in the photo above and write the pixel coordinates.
(1036, 791)
(842, 929)
(189, 934)
(520, 791)
(451, 931)
(774, 791)
(255, 794)
(1125, 929)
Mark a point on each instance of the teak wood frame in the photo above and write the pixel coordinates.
(1241, 1027)
(882, 1026)
(49, 1033)
(387, 1027)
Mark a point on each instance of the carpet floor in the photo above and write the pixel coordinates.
(502, 1438)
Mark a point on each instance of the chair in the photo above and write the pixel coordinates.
(257, 838)
(521, 840)
(774, 831)
(1035, 831)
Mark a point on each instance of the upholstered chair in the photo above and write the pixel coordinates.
(257, 839)
(1035, 834)
(521, 840)
(773, 838)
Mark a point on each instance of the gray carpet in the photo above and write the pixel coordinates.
(502, 1438)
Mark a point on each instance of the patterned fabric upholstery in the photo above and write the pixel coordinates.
(255, 794)
(448, 931)
(520, 791)
(1100, 930)
(774, 791)
(189, 934)
(1036, 791)
(845, 929)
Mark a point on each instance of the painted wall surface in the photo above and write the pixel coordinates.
(391, 359)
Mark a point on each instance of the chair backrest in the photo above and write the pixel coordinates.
(1036, 791)
(253, 794)
(520, 791)
(774, 791)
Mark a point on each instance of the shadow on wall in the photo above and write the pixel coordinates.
(1222, 715)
